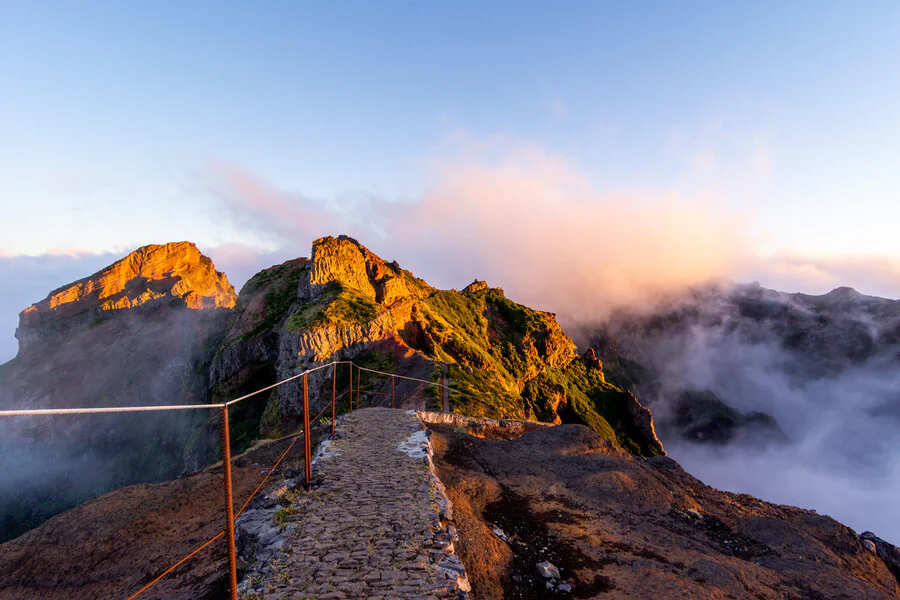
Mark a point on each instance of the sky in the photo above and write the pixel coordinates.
(754, 141)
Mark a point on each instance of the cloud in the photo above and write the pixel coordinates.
(842, 421)
(240, 262)
(703, 161)
(762, 161)
(528, 220)
(256, 205)
(521, 217)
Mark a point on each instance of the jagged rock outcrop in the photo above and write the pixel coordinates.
(886, 551)
(349, 264)
(139, 332)
(152, 276)
(476, 286)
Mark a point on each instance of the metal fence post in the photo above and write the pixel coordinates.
(392, 391)
(333, 394)
(306, 433)
(229, 504)
(350, 392)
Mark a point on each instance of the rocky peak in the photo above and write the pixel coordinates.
(152, 275)
(476, 286)
(345, 261)
(590, 360)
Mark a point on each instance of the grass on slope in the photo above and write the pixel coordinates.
(339, 305)
(593, 401)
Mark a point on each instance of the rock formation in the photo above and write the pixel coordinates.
(152, 276)
(138, 332)
(351, 302)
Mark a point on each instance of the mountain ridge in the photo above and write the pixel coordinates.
(198, 343)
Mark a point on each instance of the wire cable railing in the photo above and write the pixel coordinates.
(368, 395)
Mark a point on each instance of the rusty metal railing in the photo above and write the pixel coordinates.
(228, 492)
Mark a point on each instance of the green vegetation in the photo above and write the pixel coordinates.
(496, 344)
(283, 514)
(591, 400)
(278, 301)
(338, 305)
(504, 360)
(279, 284)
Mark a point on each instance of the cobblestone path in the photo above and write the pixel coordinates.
(375, 526)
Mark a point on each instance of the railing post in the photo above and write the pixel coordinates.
(229, 504)
(392, 391)
(307, 459)
(350, 392)
(333, 394)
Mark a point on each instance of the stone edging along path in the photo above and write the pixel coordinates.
(376, 524)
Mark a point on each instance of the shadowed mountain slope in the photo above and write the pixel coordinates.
(135, 333)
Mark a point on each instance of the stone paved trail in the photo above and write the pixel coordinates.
(376, 525)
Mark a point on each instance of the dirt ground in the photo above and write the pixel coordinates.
(111, 546)
(623, 527)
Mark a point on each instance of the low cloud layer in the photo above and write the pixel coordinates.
(842, 421)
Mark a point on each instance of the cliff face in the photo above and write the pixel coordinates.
(174, 274)
(138, 332)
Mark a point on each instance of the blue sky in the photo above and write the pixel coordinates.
(116, 119)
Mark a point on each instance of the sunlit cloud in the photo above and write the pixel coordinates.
(703, 161)
(254, 203)
(522, 217)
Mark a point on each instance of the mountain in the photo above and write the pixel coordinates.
(746, 330)
(135, 333)
(162, 326)
(351, 304)
(790, 397)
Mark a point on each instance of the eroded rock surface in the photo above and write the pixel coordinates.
(618, 526)
(154, 275)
